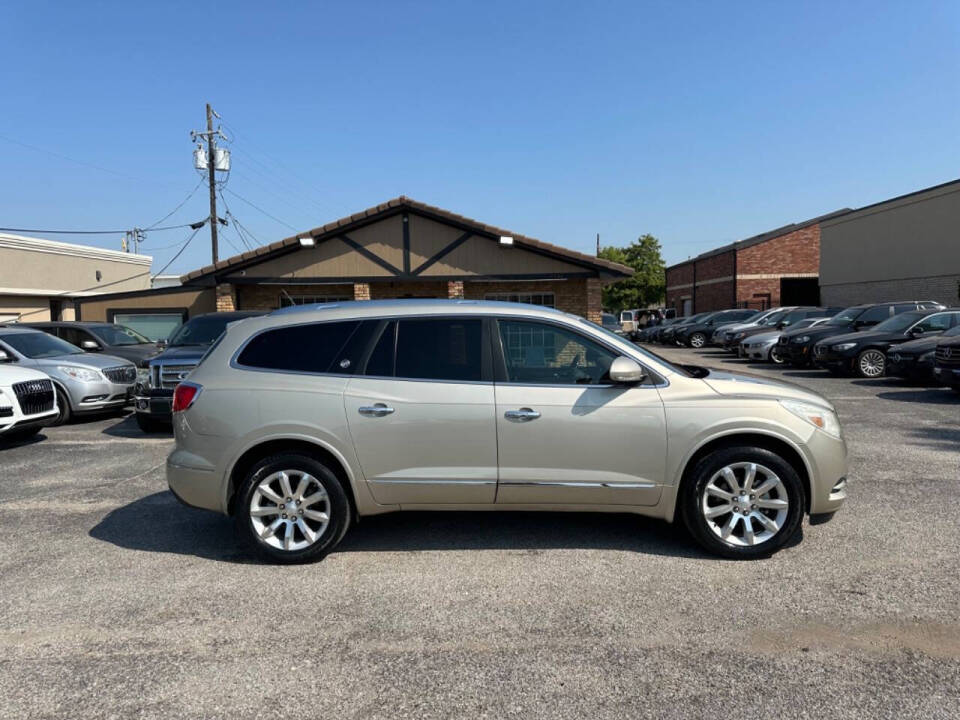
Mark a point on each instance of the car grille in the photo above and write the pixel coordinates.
(123, 375)
(34, 396)
(169, 376)
(948, 356)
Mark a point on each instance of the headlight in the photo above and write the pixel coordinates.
(739, 335)
(819, 417)
(844, 346)
(802, 339)
(80, 373)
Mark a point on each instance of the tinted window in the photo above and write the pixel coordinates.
(539, 353)
(876, 314)
(75, 336)
(439, 349)
(39, 345)
(380, 363)
(904, 307)
(202, 330)
(299, 348)
(118, 335)
(936, 323)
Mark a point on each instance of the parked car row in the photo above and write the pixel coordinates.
(914, 339)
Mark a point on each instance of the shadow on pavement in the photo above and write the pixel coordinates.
(159, 523)
(940, 438)
(935, 396)
(128, 428)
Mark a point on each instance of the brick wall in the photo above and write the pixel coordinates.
(796, 253)
(678, 276)
(581, 297)
(226, 297)
(267, 297)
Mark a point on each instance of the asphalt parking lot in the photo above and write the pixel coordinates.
(116, 601)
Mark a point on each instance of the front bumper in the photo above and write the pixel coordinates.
(947, 375)
(828, 488)
(797, 353)
(22, 423)
(157, 403)
(756, 351)
(98, 396)
(909, 366)
(830, 359)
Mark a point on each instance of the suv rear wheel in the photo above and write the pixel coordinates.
(292, 509)
(742, 502)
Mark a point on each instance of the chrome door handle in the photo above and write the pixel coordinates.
(523, 414)
(375, 410)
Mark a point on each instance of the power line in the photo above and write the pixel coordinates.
(240, 228)
(260, 209)
(179, 252)
(153, 227)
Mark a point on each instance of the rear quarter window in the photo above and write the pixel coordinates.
(308, 348)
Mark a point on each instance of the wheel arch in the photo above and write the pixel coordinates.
(752, 438)
(275, 445)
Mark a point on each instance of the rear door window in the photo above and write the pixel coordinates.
(876, 314)
(439, 349)
(308, 348)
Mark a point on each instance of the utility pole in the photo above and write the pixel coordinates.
(211, 159)
(211, 135)
(598, 244)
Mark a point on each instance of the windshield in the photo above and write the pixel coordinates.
(37, 345)
(845, 317)
(794, 316)
(898, 322)
(201, 330)
(773, 318)
(118, 335)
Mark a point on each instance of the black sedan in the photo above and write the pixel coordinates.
(865, 353)
(913, 360)
(668, 336)
(697, 334)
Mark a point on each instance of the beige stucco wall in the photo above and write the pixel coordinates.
(14, 307)
(913, 237)
(44, 267)
(195, 300)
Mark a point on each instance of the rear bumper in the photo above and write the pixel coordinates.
(194, 486)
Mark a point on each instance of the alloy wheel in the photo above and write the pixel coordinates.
(775, 356)
(872, 363)
(745, 504)
(290, 510)
(697, 340)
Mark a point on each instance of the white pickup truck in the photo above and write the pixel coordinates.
(27, 402)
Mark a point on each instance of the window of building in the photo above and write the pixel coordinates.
(539, 353)
(439, 349)
(544, 299)
(288, 300)
(299, 348)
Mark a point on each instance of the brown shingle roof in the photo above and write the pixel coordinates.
(395, 205)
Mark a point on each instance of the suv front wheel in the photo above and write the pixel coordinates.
(292, 509)
(742, 502)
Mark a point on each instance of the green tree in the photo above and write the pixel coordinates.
(647, 286)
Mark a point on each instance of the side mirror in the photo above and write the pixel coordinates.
(916, 331)
(626, 371)
(5, 357)
(89, 345)
(161, 344)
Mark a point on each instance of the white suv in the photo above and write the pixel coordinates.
(27, 402)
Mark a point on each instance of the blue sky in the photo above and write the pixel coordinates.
(700, 123)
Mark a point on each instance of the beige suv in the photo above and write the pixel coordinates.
(301, 422)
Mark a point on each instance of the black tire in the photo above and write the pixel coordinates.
(151, 425)
(775, 357)
(63, 406)
(955, 388)
(21, 435)
(697, 340)
(338, 508)
(694, 488)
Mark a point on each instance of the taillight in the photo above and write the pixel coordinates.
(184, 395)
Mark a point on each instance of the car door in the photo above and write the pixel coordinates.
(566, 434)
(421, 414)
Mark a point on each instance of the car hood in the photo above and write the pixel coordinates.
(762, 337)
(917, 347)
(820, 331)
(11, 374)
(864, 337)
(744, 385)
(183, 353)
(737, 327)
(97, 361)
